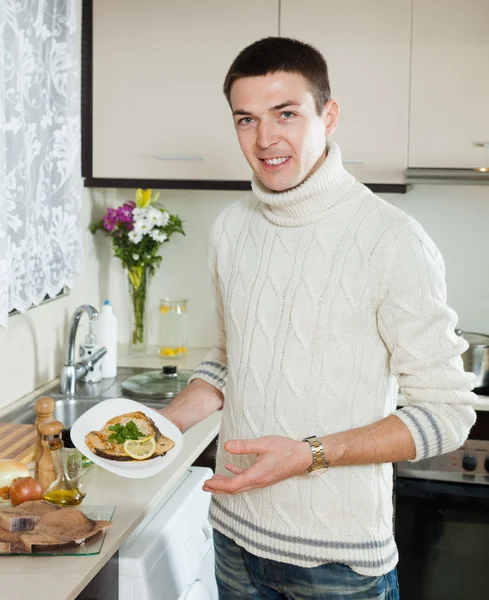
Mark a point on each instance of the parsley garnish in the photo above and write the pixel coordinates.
(129, 431)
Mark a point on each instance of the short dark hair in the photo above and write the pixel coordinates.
(280, 54)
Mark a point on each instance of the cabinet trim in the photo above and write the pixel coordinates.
(211, 184)
(87, 89)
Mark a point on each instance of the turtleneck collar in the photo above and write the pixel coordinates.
(309, 201)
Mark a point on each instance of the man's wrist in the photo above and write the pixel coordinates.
(305, 456)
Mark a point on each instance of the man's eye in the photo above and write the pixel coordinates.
(287, 115)
(245, 121)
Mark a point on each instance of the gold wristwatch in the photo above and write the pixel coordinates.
(318, 457)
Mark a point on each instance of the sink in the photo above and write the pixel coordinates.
(68, 409)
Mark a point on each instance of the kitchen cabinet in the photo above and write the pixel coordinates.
(158, 68)
(367, 48)
(449, 119)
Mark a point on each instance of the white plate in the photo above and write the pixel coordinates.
(95, 418)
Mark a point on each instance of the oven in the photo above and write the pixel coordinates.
(442, 522)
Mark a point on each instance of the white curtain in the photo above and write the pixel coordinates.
(40, 177)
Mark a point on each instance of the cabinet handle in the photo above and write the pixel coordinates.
(353, 162)
(482, 144)
(178, 157)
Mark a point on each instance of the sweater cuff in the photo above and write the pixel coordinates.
(437, 428)
(211, 372)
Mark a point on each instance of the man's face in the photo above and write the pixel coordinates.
(279, 131)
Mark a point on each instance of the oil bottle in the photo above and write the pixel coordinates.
(63, 491)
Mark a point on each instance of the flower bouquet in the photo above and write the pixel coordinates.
(137, 230)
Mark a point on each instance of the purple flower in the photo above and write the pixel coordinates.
(125, 216)
(110, 220)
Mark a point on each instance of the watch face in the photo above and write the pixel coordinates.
(320, 471)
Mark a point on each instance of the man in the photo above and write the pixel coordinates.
(327, 298)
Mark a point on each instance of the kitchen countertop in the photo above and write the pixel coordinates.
(64, 577)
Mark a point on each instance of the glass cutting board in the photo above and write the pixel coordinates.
(88, 548)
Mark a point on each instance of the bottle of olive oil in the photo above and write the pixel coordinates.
(63, 491)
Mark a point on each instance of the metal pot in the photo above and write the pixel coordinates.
(476, 357)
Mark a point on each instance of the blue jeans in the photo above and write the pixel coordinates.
(243, 576)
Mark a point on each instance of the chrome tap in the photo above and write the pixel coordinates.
(71, 372)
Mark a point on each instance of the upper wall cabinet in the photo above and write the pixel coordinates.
(449, 122)
(367, 48)
(158, 70)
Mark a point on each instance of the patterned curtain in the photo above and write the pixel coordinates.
(40, 176)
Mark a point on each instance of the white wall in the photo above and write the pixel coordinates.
(183, 272)
(455, 216)
(457, 219)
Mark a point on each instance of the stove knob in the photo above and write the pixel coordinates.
(486, 464)
(469, 462)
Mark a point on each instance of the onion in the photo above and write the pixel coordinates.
(10, 469)
(24, 489)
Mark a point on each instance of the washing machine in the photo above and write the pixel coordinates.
(170, 555)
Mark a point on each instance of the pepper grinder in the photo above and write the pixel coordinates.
(44, 408)
(46, 472)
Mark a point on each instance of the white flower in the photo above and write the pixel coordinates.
(139, 213)
(158, 236)
(134, 237)
(165, 218)
(155, 216)
(143, 226)
(135, 256)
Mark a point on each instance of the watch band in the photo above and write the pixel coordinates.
(318, 457)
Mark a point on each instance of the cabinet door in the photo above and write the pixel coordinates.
(450, 84)
(366, 46)
(158, 70)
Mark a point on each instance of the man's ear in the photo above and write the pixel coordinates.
(331, 115)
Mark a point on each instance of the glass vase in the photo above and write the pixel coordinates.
(138, 279)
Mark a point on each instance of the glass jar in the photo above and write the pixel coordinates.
(173, 328)
(75, 464)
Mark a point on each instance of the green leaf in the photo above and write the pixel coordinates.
(124, 432)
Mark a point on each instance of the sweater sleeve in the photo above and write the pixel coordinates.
(213, 369)
(418, 329)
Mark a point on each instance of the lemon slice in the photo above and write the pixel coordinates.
(140, 449)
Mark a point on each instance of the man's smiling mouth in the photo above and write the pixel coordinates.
(274, 162)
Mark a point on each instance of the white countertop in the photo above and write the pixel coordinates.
(64, 577)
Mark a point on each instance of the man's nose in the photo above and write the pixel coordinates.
(267, 134)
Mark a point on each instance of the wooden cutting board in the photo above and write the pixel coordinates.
(17, 441)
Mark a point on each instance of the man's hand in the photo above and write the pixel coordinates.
(278, 458)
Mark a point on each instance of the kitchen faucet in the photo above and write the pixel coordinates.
(71, 372)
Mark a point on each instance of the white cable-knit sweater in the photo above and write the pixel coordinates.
(328, 297)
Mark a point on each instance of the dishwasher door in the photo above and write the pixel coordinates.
(171, 554)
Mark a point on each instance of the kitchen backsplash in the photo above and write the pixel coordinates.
(456, 217)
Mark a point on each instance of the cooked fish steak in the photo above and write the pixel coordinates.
(145, 425)
(99, 443)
